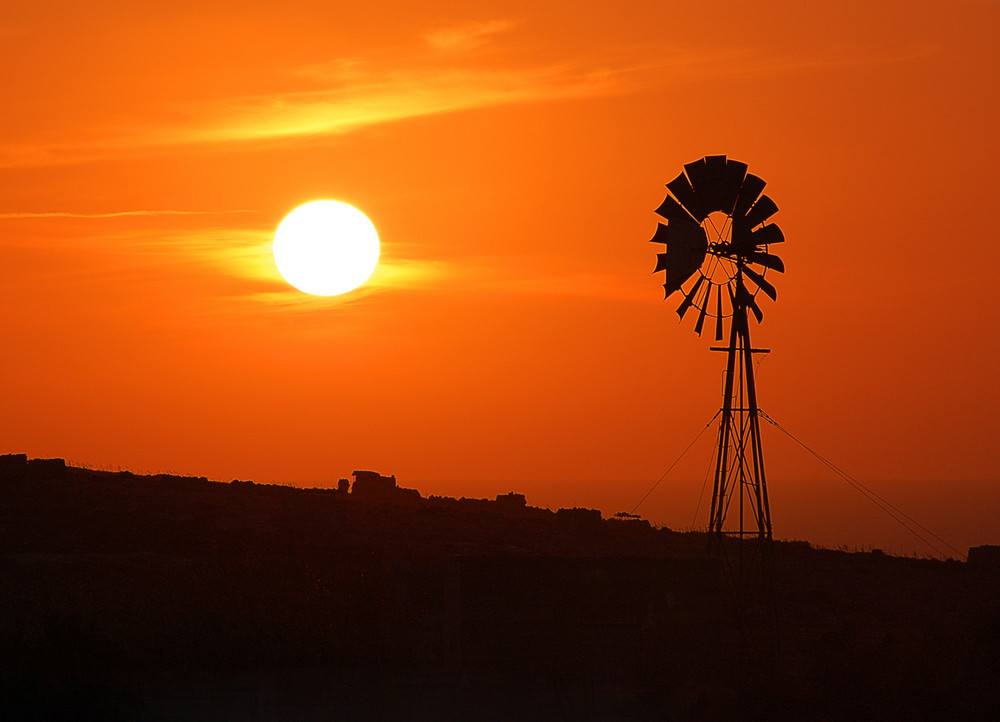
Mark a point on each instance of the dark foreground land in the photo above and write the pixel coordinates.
(163, 597)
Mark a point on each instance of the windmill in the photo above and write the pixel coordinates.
(717, 257)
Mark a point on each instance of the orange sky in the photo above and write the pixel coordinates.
(510, 156)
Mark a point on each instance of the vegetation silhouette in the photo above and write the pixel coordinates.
(167, 597)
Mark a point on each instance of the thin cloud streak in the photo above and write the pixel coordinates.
(466, 37)
(353, 99)
(363, 99)
(116, 214)
(354, 95)
(245, 254)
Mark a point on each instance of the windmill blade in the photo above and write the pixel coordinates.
(674, 212)
(715, 167)
(676, 276)
(697, 173)
(683, 192)
(763, 209)
(731, 182)
(718, 313)
(686, 247)
(740, 236)
(768, 234)
(707, 177)
(689, 298)
(688, 234)
(762, 283)
(767, 260)
(661, 234)
(749, 191)
(704, 310)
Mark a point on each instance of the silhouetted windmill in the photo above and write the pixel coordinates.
(716, 233)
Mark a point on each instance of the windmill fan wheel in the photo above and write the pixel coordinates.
(717, 239)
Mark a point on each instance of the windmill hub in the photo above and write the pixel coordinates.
(718, 227)
(720, 269)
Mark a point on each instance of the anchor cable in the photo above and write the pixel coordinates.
(664, 474)
(704, 484)
(873, 497)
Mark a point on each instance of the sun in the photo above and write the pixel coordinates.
(326, 248)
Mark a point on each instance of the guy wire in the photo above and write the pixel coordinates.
(664, 474)
(868, 493)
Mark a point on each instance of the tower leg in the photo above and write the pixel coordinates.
(722, 490)
(756, 481)
(739, 465)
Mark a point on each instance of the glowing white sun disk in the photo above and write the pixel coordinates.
(326, 248)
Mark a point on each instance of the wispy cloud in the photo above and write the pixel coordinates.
(354, 94)
(239, 259)
(351, 95)
(467, 36)
(236, 263)
(356, 98)
(115, 214)
(346, 95)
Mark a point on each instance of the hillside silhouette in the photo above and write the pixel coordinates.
(169, 597)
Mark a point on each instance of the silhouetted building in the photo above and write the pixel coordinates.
(373, 487)
(13, 459)
(511, 502)
(371, 483)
